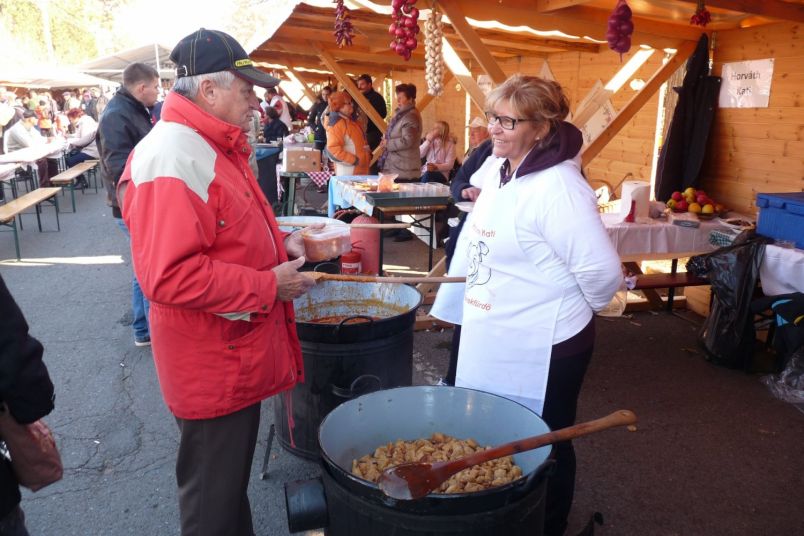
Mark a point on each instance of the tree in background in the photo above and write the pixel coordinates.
(59, 31)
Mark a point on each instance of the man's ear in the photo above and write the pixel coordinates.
(207, 91)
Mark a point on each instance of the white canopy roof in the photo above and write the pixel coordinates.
(111, 67)
(49, 77)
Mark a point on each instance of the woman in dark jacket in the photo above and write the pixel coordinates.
(26, 389)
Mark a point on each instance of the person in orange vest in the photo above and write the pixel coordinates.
(346, 141)
(44, 118)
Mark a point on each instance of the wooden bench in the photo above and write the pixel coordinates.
(68, 177)
(670, 281)
(12, 209)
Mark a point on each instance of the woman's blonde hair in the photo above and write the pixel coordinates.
(444, 129)
(531, 97)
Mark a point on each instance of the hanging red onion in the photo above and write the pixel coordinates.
(405, 27)
(620, 28)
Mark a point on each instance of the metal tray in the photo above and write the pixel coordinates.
(396, 199)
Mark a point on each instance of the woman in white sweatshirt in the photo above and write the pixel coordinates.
(539, 264)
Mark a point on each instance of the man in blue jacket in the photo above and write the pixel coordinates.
(124, 122)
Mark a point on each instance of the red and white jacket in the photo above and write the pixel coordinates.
(203, 242)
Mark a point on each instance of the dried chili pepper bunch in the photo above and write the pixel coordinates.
(702, 16)
(433, 58)
(620, 28)
(404, 28)
(344, 31)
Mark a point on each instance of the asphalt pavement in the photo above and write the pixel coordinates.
(714, 452)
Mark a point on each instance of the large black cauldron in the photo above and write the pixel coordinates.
(345, 360)
(349, 506)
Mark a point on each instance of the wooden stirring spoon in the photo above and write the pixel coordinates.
(321, 276)
(415, 480)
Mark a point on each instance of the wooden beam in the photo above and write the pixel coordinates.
(479, 51)
(668, 37)
(292, 75)
(464, 76)
(642, 25)
(773, 9)
(350, 86)
(545, 6)
(684, 51)
(302, 47)
(526, 42)
(320, 28)
(309, 62)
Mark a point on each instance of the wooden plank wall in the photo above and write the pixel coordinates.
(759, 150)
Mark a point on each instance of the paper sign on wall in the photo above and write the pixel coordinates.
(746, 84)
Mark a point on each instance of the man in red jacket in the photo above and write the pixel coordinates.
(211, 259)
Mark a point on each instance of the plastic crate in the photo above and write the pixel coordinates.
(781, 216)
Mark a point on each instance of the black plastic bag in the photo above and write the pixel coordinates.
(788, 385)
(727, 335)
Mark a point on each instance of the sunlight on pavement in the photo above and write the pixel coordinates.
(50, 261)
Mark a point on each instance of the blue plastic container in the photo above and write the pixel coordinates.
(781, 216)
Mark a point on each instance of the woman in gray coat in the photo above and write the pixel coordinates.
(402, 138)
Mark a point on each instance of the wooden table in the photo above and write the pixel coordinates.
(288, 202)
(28, 155)
(428, 211)
(7, 174)
(657, 240)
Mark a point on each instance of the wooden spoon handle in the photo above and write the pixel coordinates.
(320, 276)
(622, 417)
(379, 225)
(399, 225)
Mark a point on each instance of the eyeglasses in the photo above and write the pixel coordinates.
(508, 123)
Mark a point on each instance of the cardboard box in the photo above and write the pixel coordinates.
(301, 160)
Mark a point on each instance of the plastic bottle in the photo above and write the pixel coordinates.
(350, 262)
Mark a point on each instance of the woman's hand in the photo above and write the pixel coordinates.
(470, 193)
(431, 135)
(431, 167)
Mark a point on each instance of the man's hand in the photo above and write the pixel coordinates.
(290, 283)
(294, 242)
(470, 193)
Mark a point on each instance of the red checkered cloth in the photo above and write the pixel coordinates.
(319, 178)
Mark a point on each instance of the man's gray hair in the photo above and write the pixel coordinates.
(188, 86)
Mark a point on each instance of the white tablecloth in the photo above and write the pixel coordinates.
(782, 271)
(34, 153)
(657, 239)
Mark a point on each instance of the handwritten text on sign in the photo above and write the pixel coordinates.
(746, 84)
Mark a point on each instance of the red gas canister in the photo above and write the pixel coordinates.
(350, 262)
(368, 241)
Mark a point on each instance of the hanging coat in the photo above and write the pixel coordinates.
(684, 149)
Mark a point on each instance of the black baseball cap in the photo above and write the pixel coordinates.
(210, 51)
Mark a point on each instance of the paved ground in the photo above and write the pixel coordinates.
(715, 454)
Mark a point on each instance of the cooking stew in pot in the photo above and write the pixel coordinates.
(438, 448)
